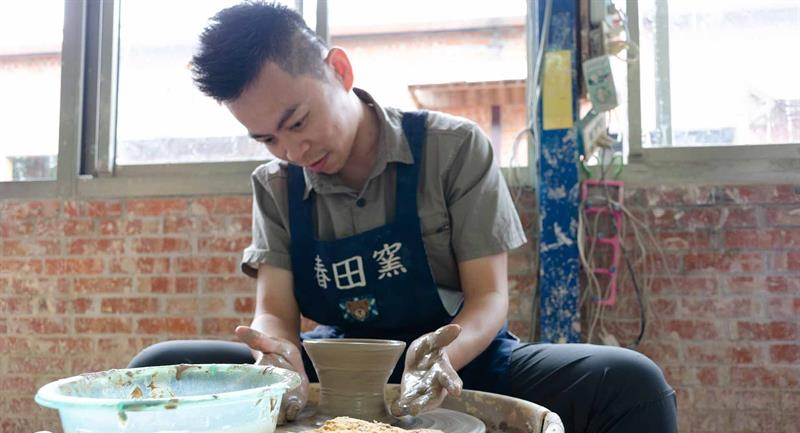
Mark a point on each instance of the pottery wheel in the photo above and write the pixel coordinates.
(446, 420)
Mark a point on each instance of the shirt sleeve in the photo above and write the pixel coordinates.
(270, 243)
(483, 216)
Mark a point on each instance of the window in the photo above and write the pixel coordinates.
(161, 116)
(464, 58)
(719, 73)
(30, 83)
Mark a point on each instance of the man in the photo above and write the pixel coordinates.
(381, 224)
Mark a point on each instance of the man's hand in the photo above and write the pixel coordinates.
(428, 374)
(280, 353)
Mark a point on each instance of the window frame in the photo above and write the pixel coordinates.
(741, 164)
(86, 150)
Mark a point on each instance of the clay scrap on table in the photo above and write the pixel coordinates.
(345, 424)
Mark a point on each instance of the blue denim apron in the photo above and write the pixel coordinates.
(377, 284)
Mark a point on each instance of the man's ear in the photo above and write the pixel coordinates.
(338, 61)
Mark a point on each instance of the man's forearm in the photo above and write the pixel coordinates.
(480, 319)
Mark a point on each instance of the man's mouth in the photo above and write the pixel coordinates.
(318, 166)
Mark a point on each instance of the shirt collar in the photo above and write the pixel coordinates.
(392, 147)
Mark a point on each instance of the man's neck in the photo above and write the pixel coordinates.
(365, 148)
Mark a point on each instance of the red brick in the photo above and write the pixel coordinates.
(692, 329)
(129, 305)
(692, 240)
(207, 265)
(161, 245)
(182, 306)
(15, 228)
(707, 376)
(717, 308)
(521, 285)
(166, 285)
(145, 226)
(16, 424)
(784, 353)
(244, 305)
(108, 227)
(73, 266)
(754, 377)
(237, 284)
(723, 353)
(222, 326)
(15, 210)
(21, 266)
(783, 308)
(70, 227)
(97, 209)
(783, 216)
(16, 306)
(96, 362)
(102, 285)
(521, 261)
(746, 194)
(223, 205)
(24, 384)
(790, 401)
(140, 265)
(754, 421)
(62, 345)
(682, 285)
(223, 244)
(104, 325)
(725, 262)
(40, 286)
(22, 405)
(739, 217)
(167, 325)
(762, 239)
(757, 399)
(67, 306)
(761, 331)
(39, 325)
(31, 247)
(661, 352)
(155, 207)
(212, 306)
(675, 195)
(96, 246)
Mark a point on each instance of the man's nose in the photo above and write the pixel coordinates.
(296, 150)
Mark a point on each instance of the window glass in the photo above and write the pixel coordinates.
(464, 58)
(730, 78)
(30, 85)
(161, 116)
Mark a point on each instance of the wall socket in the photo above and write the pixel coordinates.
(600, 83)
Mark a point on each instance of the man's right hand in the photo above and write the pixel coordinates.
(280, 353)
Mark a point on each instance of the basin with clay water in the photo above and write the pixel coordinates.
(353, 376)
(186, 398)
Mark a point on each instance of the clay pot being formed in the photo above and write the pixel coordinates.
(352, 375)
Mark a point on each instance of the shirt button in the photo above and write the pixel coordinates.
(361, 202)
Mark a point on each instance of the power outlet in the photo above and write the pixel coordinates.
(600, 83)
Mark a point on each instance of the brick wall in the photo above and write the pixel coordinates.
(84, 285)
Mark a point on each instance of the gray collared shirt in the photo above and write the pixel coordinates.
(463, 202)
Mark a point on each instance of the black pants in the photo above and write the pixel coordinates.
(592, 388)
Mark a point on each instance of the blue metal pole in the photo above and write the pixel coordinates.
(558, 182)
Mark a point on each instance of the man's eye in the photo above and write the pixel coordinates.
(299, 123)
(269, 141)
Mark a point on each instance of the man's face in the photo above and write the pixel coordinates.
(301, 119)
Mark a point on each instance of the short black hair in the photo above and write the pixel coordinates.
(239, 40)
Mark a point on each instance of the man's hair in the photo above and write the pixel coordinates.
(241, 39)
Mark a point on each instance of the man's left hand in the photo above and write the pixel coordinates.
(428, 376)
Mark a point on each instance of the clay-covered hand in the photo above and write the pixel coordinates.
(428, 376)
(280, 353)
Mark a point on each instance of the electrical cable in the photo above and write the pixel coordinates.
(639, 298)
